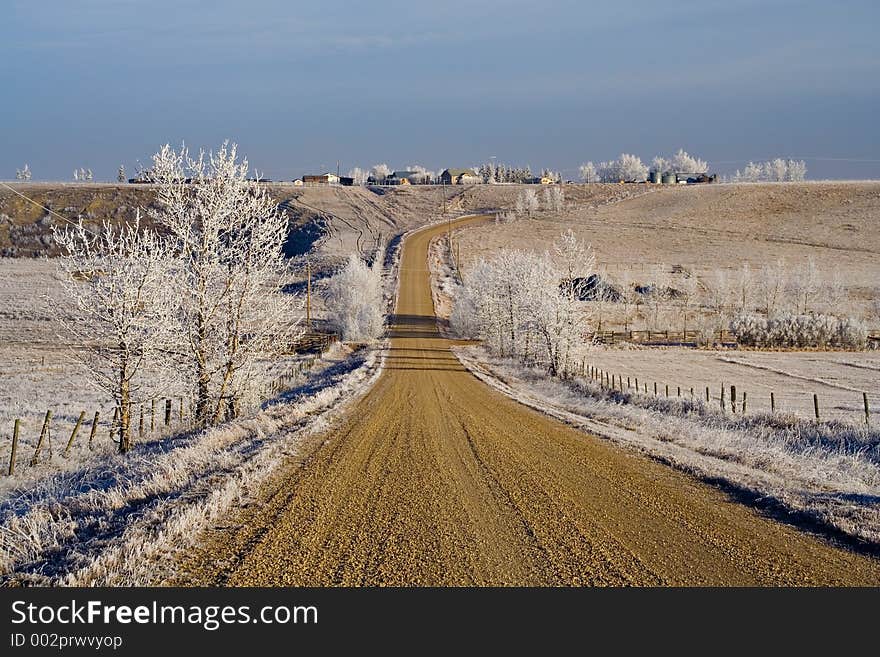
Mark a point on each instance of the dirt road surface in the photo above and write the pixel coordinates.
(436, 479)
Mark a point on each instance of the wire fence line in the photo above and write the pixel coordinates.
(728, 397)
(34, 442)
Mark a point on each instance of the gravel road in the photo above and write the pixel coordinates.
(435, 479)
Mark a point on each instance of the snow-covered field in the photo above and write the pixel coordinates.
(117, 519)
(838, 378)
(818, 475)
(38, 373)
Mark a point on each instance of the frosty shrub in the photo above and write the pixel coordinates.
(801, 331)
(354, 299)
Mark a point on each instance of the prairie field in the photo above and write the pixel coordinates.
(699, 229)
(838, 379)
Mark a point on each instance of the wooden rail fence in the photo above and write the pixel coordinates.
(671, 338)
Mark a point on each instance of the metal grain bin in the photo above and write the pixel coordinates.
(669, 179)
(656, 177)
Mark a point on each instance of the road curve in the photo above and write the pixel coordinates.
(436, 479)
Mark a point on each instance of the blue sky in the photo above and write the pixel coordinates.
(97, 83)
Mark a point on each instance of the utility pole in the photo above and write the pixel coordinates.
(308, 295)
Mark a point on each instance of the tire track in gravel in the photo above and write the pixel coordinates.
(434, 478)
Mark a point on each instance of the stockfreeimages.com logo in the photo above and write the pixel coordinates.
(209, 617)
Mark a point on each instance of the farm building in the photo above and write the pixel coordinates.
(323, 179)
(406, 178)
(459, 177)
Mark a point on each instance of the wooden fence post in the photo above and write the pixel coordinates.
(44, 432)
(74, 432)
(141, 422)
(14, 451)
(867, 414)
(655, 388)
(637, 384)
(167, 412)
(678, 393)
(733, 399)
(722, 398)
(667, 389)
(707, 395)
(772, 402)
(816, 405)
(181, 410)
(94, 428)
(152, 415)
(744, 402)
(113, 422)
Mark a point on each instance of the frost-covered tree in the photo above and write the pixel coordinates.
(354, 300)
(121, 310)
(661, 165)
(796, 171)
(627, 168)
(719, 291)
(120, 174)
(228, 236)
(771, 285)
(554, 198)
(529, 306)
(745, 287)
(379, 172)
(631, 168)
(23, 174)
(358, 175)
(752, 173)
(775, 170)
(806, 286)
(681, 162)
(588, 173)
(422, 174)
(527, 202)
(629, 298)
(834, 293)
(657, 292)
(686, 289)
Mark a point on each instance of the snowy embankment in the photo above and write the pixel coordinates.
(821, 476)
(118, 520)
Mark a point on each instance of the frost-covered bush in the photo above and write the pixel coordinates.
(789, 330)
(354, 299)
(529, 306)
